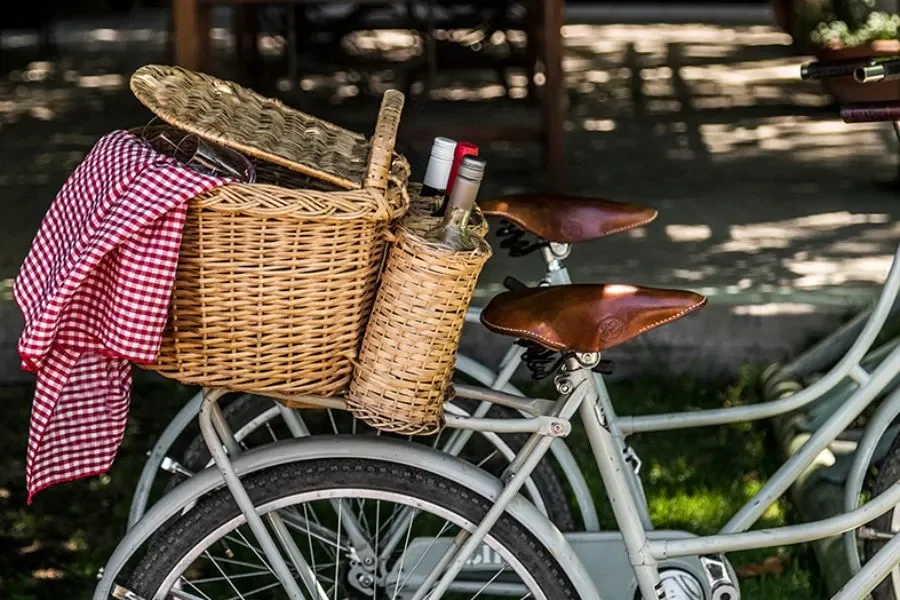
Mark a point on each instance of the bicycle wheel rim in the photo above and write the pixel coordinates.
(349, 493)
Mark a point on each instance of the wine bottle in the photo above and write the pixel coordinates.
(453, 231)
(463, 149)
(437, 173)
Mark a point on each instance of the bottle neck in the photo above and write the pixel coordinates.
(457, 217)
(460, 203)
(453, 231)
(431, 192)
(463, 195)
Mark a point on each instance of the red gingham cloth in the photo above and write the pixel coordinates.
(94, 291)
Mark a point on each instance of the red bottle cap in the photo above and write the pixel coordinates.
(463, 149)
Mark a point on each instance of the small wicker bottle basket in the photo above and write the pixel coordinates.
(409, 350)
(275, 282)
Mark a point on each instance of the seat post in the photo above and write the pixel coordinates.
(613, 468)
(554, 254)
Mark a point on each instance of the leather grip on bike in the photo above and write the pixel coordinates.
(832, 68)
(871, 112)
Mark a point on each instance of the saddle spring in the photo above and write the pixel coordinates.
(542, 362)
(514, 240)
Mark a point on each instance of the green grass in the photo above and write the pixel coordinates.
(695, 479)
(53, 548)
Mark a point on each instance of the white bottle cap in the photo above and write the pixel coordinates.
(440, 164)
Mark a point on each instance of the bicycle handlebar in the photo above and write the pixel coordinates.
(888, 70)
(871, 112)
(833, 68)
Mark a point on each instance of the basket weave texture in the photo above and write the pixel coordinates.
(274, 284)
(409, 350)
(228, 114)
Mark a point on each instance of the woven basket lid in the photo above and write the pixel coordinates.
(233, 116)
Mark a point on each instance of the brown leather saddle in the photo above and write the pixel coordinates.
(586, 317)
(567, 219)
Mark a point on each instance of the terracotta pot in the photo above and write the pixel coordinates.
(846, 89)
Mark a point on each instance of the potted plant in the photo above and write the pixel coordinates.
(846, 29)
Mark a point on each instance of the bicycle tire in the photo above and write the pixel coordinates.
(194, 531)
(888, 474)
(546, 479)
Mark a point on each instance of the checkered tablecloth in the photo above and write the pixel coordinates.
(94, 291)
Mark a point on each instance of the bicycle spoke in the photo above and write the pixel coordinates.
(363, 520)
(402, 558)
(398, 510)
(309, 538)
(291, 520)
(334, 426)
(337, 564)
(256, 591)
(219, 569)
(437, 439)
(487, 583)
(424, 554)
(316, 522)
(238, 563)
(271, 431)
(185, 595)
(254, 549)
(407, 512)
(487, 458)
(237, 576)
(377, 529)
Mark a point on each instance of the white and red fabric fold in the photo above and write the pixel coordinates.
(95, 291)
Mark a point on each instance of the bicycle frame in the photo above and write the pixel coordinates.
(499, 380)
(600, 423)
(606, 432)
(580, 392)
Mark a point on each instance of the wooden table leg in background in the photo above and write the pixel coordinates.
(191, 29)
(246, 30)
(534, 24)
(554, 88)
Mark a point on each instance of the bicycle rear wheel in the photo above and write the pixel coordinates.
(207, 554)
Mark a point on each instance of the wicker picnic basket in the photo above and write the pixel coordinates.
(276, 279)
(408, 354)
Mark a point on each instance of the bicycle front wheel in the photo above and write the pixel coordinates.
(407, 517)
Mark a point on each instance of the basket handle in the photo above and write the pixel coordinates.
(381, 152)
